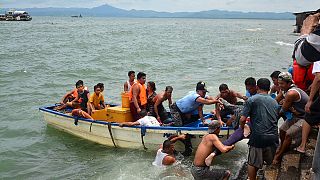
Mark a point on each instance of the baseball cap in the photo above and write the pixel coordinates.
(201, 86)
(214, 125)
(285, 76)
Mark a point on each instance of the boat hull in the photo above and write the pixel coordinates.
(110, 134)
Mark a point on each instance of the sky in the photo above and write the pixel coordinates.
(175, 5)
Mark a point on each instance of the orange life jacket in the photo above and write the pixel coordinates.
(142, 97)
(302, 76)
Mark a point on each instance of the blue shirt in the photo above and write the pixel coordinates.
(189, 103)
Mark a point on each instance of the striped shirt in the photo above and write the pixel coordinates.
(307, 48)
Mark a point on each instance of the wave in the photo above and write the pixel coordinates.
(254, 29)
(284, 44)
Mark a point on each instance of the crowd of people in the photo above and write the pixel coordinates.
(255, 116)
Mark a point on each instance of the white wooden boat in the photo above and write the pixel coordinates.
(137, 137)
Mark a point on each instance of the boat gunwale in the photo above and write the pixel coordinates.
(46, 109)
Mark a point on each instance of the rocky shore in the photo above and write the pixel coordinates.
(294, 165)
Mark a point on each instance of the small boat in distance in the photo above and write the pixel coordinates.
(80, 16)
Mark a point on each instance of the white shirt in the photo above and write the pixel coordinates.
(148, 121)
(159, 158)
(316, 67)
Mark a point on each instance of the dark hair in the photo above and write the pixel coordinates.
(95, 87)
(130, 72)
(169, 88)
(140, 75)
(152, 85)
(223, 87)
(166, 144)
(264, 84)
(275, 74)
(79, 83)
(250, 81)
(100, 85)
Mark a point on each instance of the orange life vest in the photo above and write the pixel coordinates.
(302, 76)
(142, 97)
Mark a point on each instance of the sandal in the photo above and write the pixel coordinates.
(299, 150)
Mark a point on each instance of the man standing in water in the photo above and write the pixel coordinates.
(210, 141)
(138, 96)
(165, 155)
(262, 110)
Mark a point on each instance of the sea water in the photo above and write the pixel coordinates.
(42, 59)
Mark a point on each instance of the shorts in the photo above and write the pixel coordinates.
(202, 173)
(134, 112)
(258, 156)
(176, 115)
(314, 117)
(293, 128)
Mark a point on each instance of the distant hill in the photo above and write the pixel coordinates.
(110, 11)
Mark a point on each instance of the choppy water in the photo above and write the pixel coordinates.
(42, 59)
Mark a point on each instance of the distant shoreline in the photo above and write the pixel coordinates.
(110, 11)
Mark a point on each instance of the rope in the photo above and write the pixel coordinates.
(143, 133)
(110, 133)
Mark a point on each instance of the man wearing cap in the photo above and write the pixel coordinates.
(210, 141)
(294, 101)
(263, 139)
(182, 109)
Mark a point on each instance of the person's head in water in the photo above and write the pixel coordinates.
(97, 89)
(131, 75)
(79, 86)
(168, 147)
(224, 91)
(151, 86)
(141, 77)
(201, 89)
(285, 81)
(274, 76)
(101, 85)
(251, 85)
(264, 84)
(168, 91)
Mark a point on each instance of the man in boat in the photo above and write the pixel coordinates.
(159, 111)
(81, 102)
(96, 101)
(230, 96)
(101, 85)
(294, 101)
(210, 141)
(239, 133)
(138, 96)
(68, 98)
(263, 140)
(128, 84)
(275, 89)
(165, 154)
(182, 109)
(145, 121)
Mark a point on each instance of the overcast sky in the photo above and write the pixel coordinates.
(175, 5)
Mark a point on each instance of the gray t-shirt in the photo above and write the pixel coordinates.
(262, 110)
